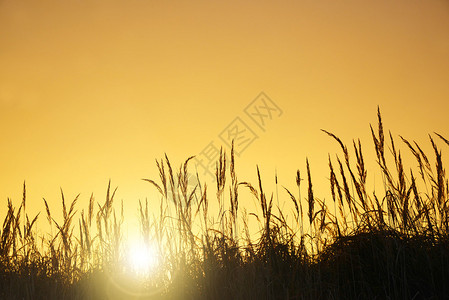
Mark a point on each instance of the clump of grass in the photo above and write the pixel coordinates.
(392, 244)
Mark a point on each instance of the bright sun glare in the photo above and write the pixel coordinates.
(142, 258)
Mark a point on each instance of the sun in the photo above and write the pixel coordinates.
(142, 258)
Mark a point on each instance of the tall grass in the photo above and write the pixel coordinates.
(391, 244)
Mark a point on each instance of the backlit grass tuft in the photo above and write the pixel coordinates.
(391, 244)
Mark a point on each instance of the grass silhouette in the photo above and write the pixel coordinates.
(394, 245)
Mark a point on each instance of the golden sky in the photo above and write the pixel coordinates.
(97, 90)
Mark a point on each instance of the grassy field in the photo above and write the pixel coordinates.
(392, 244)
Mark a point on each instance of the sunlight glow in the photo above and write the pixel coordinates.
(142, 258)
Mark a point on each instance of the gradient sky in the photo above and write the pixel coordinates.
(97, 90)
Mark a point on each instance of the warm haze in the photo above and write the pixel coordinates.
(97, 90)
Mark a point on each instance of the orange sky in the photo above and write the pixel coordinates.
(92, 90)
